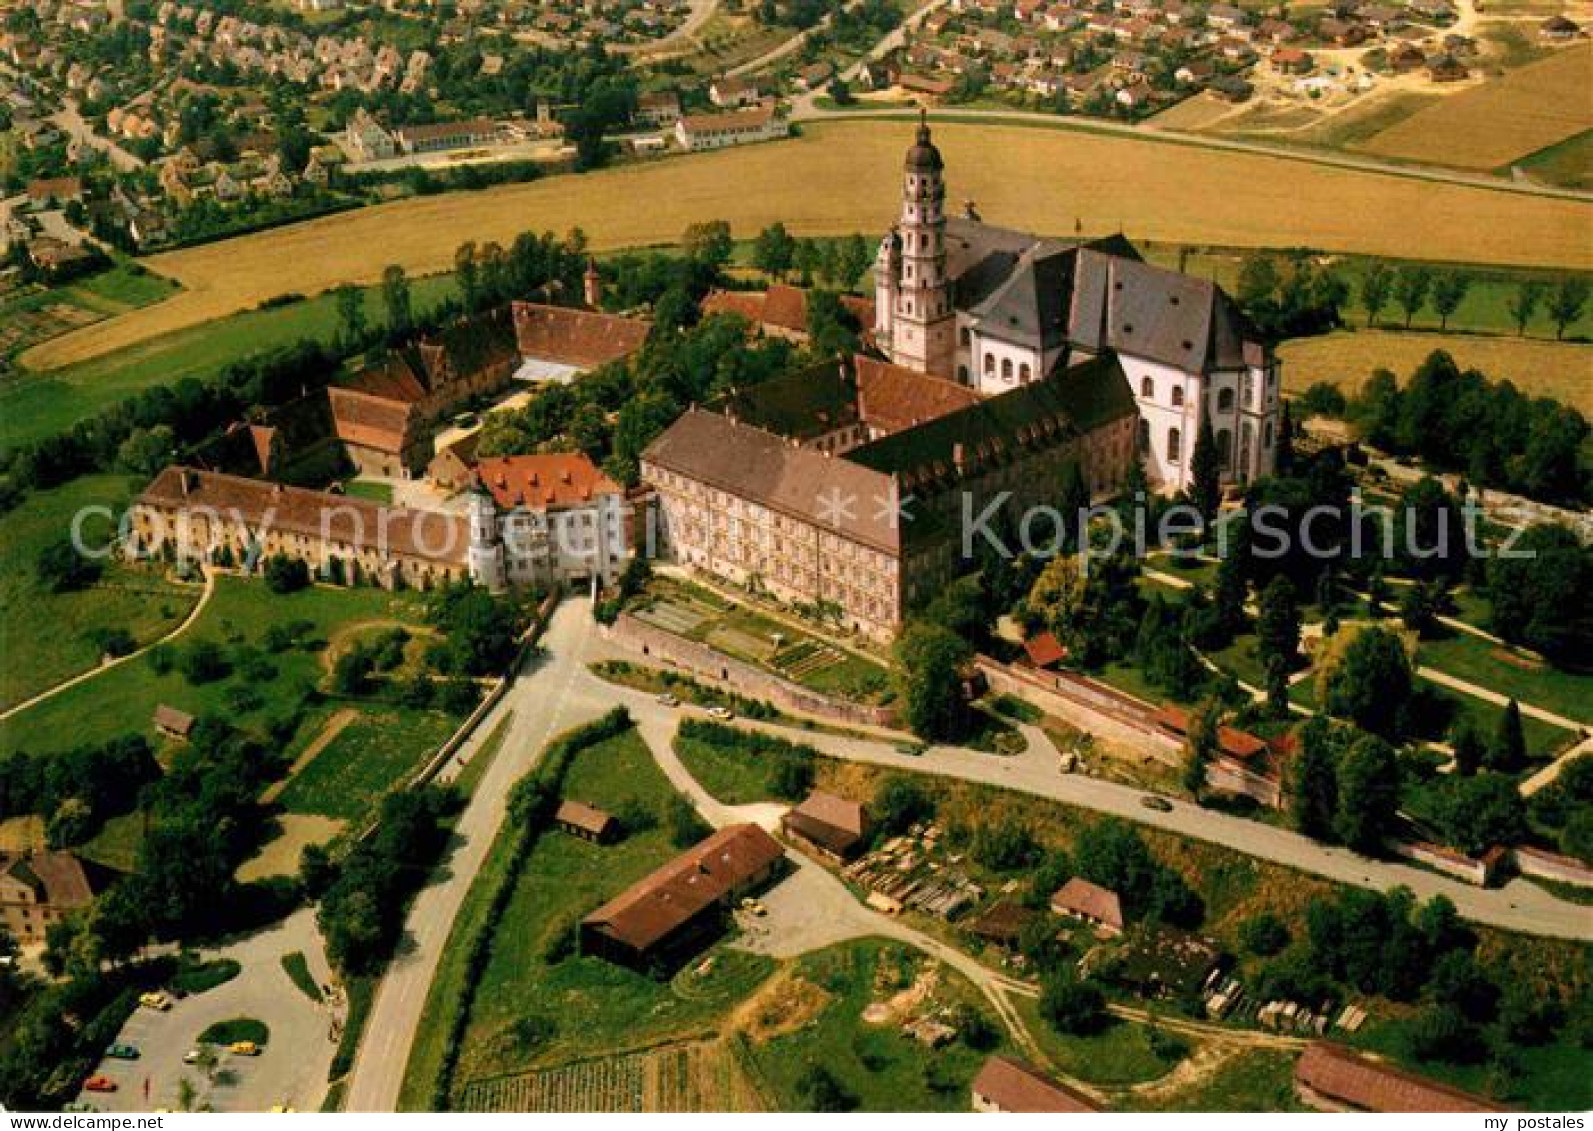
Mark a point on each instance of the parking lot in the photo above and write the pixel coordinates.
(290, 1071)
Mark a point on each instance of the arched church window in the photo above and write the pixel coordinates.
(990, 364)
(1006, 369)
(1024, 372)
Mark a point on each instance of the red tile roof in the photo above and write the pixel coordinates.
(651, 909)
(891, 398)
(543, 482)
(1349, 1078)
(1235, 743)
(576, 337)
(1080, 897)
(1044, 649)
(1012, 1085)
(782, 306)
(361, 523)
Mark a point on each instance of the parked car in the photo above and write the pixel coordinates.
(1160, 804)
(244, 1048)
(192, 1056)
(911, 749)
(79, 1105)
(724, 714)
(122, 1052)
(668, 700)
(99, 1084)
(155, 1000)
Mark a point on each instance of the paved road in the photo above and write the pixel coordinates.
(546, 699)
(292, 1069)
(1518, 906)
(70, 122)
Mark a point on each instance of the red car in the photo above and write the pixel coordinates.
(99, 1084)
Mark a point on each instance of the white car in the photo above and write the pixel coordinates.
(668, 700)
(722, 713)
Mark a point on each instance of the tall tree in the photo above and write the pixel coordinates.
(397, 300)
(1468, 745)
(1368, 794)
(1201, 745)
(1283, 457)
(350, 303)
(1449, 291)
(930, 662)
(1205, 469)
(1568, 302)
(852, 257)
(709, 243)
(1411, 285)
(1313, 780)
(1376, 287)
(1278, 624)
(1508, 753)
(772, 250)
(1525, 303)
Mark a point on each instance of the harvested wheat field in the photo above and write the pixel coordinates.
(1493, 124)
(1563, 370)
(843, 177)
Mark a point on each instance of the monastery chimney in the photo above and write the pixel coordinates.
(959, 456)
(592, 286)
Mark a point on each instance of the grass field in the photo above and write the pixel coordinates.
(1121, 1054)
(1347, 358)
(1568, 163)
(125, 698)
(47, 637)
(1500, 120)
(368, 757)
(1251, 1080)
(1044, 179)
(882, 1067)
(1478, 661)
(36, 405)
(594, 1006)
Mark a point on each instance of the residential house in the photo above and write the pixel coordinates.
(1089, 903)
(831, 826)
(697, 132)
(732, 93)
(37, 891)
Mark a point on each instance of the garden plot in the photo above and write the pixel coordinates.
(690, 1077)
(672, 617)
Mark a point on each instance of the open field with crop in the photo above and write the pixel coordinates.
(1568, 163)
(37, 405)
(1491, 125)
(360, 765)
(842, 177)
(1563, 370)
(46, 637)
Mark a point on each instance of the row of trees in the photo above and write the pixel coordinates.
(1412, 289)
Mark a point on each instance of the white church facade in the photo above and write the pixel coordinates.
(994, 309)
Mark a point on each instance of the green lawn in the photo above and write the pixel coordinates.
(297, 968)
(880, 1066)
(532, 973)
(1544, 740)
(1255, 1080)
(369, 757)
(1484, 663)
(730, 775)
(124, 698)
(1120, 1055)
(35, 405)
(47, 637)
(364, 489)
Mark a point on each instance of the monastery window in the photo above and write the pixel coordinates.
(1024, 373)
(1267, 435)
(962, 374)
(990, 364)
(1224, 445)
(1174, 444)
(965, 337)
(1225, 400)
(1178, 396)
(1147, 387)
(1006, 369)
(1144, 435)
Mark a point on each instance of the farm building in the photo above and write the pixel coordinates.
(37, 891)
(558, 343)
(1334, 1078)
(832, 826)
(696, 132)
(1089, 903)
(173, 723)
(585, 821)
(1008, 1085)
(1002, 922)
(663, 917)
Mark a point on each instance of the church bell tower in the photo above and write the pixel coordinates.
(923, 324)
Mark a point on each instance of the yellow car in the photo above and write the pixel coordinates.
(244, 1048)
(155, 1000)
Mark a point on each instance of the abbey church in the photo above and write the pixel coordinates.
(992, 309)
(1003, 364)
